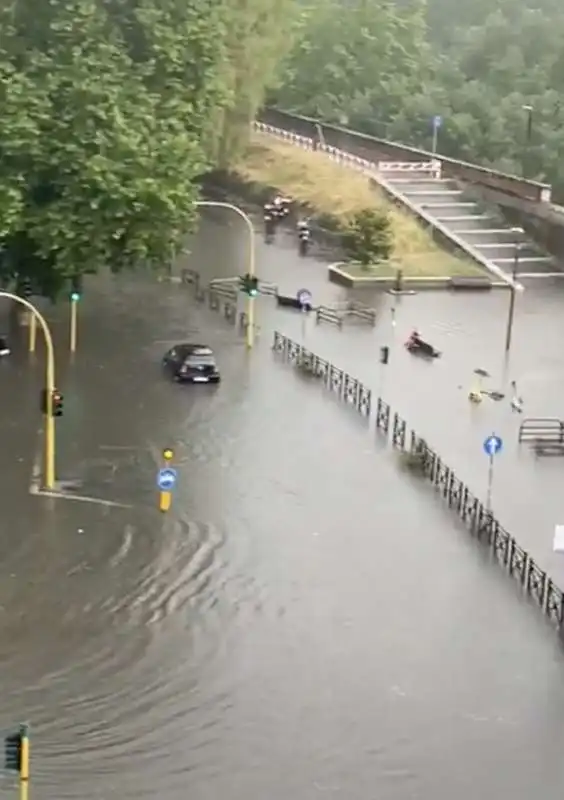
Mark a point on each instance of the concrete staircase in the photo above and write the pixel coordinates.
(447, 206)
(481, 229)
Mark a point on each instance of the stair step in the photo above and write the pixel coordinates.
(464, 218)
(429, 193)
(426, 178)
(500, 245)
(449, 205)
(523, 259)
(480, 231)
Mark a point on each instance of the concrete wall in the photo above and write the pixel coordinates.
(374, 149)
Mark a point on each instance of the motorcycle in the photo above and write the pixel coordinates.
(421, 348)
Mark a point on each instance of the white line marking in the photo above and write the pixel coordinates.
(35, 490)
(110, 447)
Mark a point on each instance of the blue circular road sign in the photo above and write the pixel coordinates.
(166, 479)
(304, 297)
(492, 445)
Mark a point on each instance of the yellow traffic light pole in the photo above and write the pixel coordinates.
(73, 324)
(24, 765)
(32, 333)
(250, 337)
(50, 386)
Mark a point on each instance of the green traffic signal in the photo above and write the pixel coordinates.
(249, 284)
(76, 288)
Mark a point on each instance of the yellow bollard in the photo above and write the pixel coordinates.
(24, 762)
(165, 501)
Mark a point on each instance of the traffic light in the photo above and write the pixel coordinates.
(13, 752)
(249, 285)
(76, 288)
(56, 403)
(384, 355)
(168, 454)
(26, 289)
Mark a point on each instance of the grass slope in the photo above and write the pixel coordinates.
(312, 179)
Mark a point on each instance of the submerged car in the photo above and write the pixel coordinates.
(192, 363)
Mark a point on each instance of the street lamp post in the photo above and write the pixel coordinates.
(250, 332)
(50, 387)
(513, 292)
(528, 137)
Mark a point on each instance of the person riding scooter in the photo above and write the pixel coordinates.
(270, 219)
(281, 207)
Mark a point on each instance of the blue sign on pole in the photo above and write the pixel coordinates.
(304, 297)
(437, 121)
(166, 479)
(492, 445)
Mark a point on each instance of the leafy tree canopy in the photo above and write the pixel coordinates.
(368, 238)
(111, 110)
(478, 66)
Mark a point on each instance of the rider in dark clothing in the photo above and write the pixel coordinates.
(269, 216)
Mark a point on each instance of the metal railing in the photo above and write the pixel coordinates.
(479, 520)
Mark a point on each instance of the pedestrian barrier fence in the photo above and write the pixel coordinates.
(349, 389)
(433, 168)
(361, 312)
(542, 429)
(479, 520)
(328, 314)
(269, 289)
(221, 295)
(291, 301)
(223, 292)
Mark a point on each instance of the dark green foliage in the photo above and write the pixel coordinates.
(368, 238)
(111, 109)
(388, 68)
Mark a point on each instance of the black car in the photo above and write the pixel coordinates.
(192, 363)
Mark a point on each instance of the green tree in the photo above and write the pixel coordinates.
(368, 238)
(355, 62)
(102, 166)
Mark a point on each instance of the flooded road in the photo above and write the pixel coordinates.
(307, 621)
(470, 330)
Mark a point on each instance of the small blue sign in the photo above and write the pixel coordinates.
(166, 479)
(492, 445)
(437, 121)
(304, 297)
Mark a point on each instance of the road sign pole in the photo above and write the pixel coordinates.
(490, 483)
(492, 446)
(436, 125)
(166, 480)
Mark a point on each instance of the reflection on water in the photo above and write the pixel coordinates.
(306, 620)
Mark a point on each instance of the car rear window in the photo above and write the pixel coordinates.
(200, 360)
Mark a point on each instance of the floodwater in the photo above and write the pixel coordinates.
(469, 330)
(307, 620)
